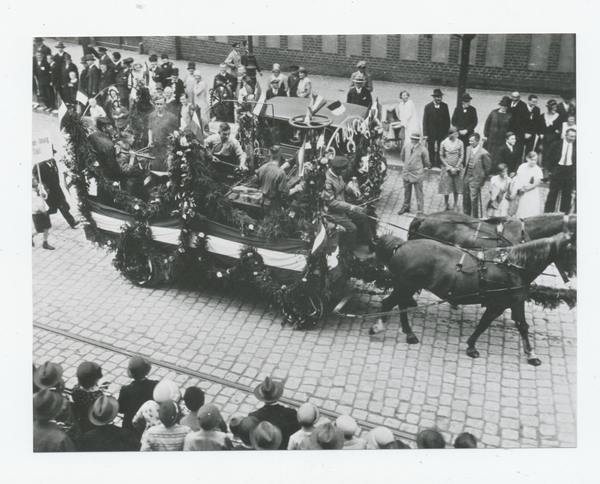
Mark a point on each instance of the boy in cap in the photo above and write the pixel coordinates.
(106, 437)
(47, 435)
(133, 395)
(430, 439)
(284, 418)
(209, 437)
(349, 427)
(194, 400)
(308, 416)
(147, 416)
(362, 71)
(266, 436)
(169, 435)
(86, 392)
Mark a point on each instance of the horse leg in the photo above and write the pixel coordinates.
(518, 315)
(387, 305)
(411, 339)
(489, 315)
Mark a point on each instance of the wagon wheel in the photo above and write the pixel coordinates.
(221, 106)
(140, 269)
(308, 309)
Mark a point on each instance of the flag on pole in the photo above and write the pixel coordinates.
(81, 97)
(377, 109)
(195, 126)
(337, 108)
(321, 140)
(260, 106)
(62, 110)
(318, 103)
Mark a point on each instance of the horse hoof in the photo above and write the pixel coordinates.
(411, 339)
(472, 352)
(534, 361)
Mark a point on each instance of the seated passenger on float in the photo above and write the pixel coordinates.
(133, 169)
(226, 150)
(273, 182)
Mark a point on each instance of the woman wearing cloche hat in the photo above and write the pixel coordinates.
(495, 129)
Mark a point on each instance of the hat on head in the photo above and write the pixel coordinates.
(551, 103)
(276, 67)
(430, 439)
(465, 96)
(505, 101)
(158, 85)
(361, 64)
(269, 391)
(48, 375)
(294, 68)
(103, 411)
(235, 44)
(275, 81)
(102, 49)
(308, 414)
(453, 129)
(209, 417)
(89, 57)
(164, 56)
(327, 437)
(88, 371)
(60, 45)
(128, 60)
(245, 428)
(46, 404)
(359, 77)
(168, 412)
(437, 92)
(347, 425)
(38, 39)
(83, 59)
(166, 390)
(152, 58)
(193, 398)
(138, 368)
(175, 71)
(191, 65)
(302, 69)
(339, 162)
(266, 436)
(415, 136)
(380, 437)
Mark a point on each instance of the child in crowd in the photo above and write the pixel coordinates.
(349, 427)
(95, 110)
(379, 438)
(86, 392)
(209, 437)
(465, 441)
(147, 416)
(169, 435)
(244, 430)
(193, 399)
(72, 88)
(430, 439)
(308, 415)
(136, 393)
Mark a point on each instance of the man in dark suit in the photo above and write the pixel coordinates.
(102, 55)
(465, 119)
(107, 78)
(276, 90)
(359, 94)
(123, 80)
(56, 198)
(562, 162)
(91, 87)
(531, 124)
(508, 154)
(59, 57)
(284, 418)
(478, 167)
(56, 79)
(43, 81)
(39, 46)
(567, 107)
(519, 114)
(436, 123)
(164, 71)
(177, 85)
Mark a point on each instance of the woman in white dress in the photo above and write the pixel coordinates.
(305, 84)
(529, 176)
(407, 114)
(201, 98)
(499, 188)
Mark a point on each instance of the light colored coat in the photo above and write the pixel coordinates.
(415, 161)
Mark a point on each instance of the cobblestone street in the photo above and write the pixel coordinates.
(227, 343)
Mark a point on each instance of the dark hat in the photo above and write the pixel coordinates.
(209, 417)
(175, 71)
(83, 59)
(128, 60)
(102, 49)
(46, 404)
(38, 39)
(430, 439)
(138, 368)
(60, 45)
(103, 411)
(437, 92)
(191, 65)
(269, 391)
(275, 81)
(465, 96)
(89, 371)
(235, 44)
(48, 375)
(294, 68)
(158, 85)
(327, 437)
(505, 101)
(551, 103)
(265, 436)
(164, 56)
(245, 429)
(193, 398)
(152, 58)
(339, 162)
(168, 412)
(89, 57)
(302, 69)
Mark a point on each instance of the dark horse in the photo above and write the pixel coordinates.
(469, 232)
(495, 278)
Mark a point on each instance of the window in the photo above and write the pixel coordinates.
(409, 47)
(566, 56)
(330, 44)
(494, 54)
(295, 42)
(221, 38)
(273, 41)
(379, 46)
(440, 48)
(538, 54)
(354, 45)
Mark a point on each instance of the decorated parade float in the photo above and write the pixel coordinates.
(197, 220)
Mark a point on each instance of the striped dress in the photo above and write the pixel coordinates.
(164, 439)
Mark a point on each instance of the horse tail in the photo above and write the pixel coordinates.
(387, 246)
(414, 227)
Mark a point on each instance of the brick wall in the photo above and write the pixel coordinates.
(515, 73)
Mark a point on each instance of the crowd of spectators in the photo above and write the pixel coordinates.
(151, 415)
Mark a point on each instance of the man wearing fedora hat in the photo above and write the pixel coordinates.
(351, 217)
(284, 418)
(362, 70)
(102, 55)
(327, 437)
(436, 122)
(47, 435)
(106, 437)
(266, 436)
(39, 46)
(358, 94)
(90, 77)
(59, 57)
(464, 119)
(416, 164)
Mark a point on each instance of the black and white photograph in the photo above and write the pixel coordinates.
(308, 241)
